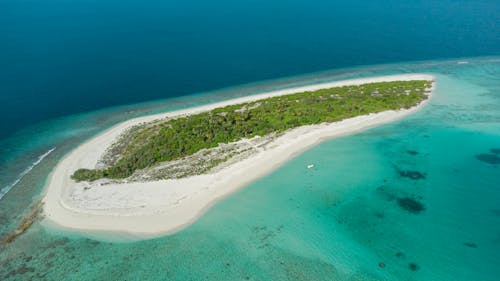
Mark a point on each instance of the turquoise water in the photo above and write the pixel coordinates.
(419, 195)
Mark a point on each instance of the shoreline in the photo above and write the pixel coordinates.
(151, 209)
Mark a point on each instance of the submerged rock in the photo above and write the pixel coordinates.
(414, 175)
(413, 266)
(470, 244)
(412, 152)
(495, 150)
(25, 223)
(400, 254)
(488, 158)
(411, 205)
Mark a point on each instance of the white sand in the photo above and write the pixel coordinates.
(155, 208)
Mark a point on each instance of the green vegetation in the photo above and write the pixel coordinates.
(89, 175)
(172, 139)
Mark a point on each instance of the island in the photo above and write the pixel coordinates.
(156, 174)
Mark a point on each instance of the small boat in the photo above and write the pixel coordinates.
(310, 166)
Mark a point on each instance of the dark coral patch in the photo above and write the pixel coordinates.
(495, 150)
(413, 266)
(414, 175)
(411, 205)
(50, 256)
(23, 269)
(488, 158)
(56, 243)
(496, 212)
(412, 152)
(470, 245)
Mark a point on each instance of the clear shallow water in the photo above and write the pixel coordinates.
(411, 194)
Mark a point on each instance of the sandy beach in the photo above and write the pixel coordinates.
(155, 208)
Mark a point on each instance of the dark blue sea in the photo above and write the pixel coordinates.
(62, 57)
(71, 69)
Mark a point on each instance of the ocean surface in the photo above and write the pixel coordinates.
(420, 196)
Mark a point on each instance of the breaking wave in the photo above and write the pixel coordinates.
(40, 158)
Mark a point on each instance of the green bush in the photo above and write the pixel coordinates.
(87, 175)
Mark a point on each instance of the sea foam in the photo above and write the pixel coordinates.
(40, 158)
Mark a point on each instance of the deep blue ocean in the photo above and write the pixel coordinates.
(61, 57)
(71, 69)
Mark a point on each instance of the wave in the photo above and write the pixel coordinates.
(6, 189)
